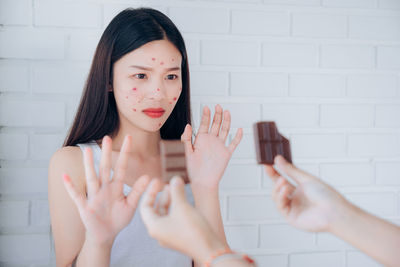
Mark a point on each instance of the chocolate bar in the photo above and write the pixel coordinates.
(173, 160)
(270, 143)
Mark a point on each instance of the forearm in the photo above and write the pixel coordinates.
(207, 203)
(94, 255)
(377, 238)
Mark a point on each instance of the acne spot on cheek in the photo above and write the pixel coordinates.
(174, 98)
(158, 89)
(170, 102)
(161, 63)
(159, 124)
(153, 58)
(173, 59)
(134, 89)
(127, 97)
(134, 109)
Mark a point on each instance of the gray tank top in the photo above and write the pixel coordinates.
(133, 246)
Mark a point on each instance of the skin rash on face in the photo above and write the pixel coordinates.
(147, 83)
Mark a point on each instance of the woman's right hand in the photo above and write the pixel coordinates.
(105, 211)
(312, 205)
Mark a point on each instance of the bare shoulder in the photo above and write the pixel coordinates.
(68, 160)
(66, 154)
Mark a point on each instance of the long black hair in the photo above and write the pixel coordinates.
(97, 112)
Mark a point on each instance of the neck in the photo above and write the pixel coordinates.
(144, 143)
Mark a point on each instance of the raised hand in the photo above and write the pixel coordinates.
(105, 211)
(312, 205)
(208, 156)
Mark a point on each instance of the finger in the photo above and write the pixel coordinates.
(186, 138)
(92, 183)
(177, 188)
(76, 197)
(284, 201)
(164, 201)
(283, 198)
(216, 124)
(105, 161)
(137, 190)
(271, 172)
(122, 164)
(278, 185)
(236, 140)
(147, 210)
(205, 121)
(226, 125)
(293, 172)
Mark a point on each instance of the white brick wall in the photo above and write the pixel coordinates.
(328, 259)
(290, 55)
(260, 22)
(327, 71)
(317, 85)
(319, 25)
(347, 56)
(367, 85)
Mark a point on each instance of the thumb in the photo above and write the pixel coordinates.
(292, 171)
(177, 189)
(186, 138)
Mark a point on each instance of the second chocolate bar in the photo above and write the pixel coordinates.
(173, 160)
(270, 143)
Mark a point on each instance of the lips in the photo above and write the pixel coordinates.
(154, 112)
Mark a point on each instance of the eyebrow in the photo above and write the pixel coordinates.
(148, 68)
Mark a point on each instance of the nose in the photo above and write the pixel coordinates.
(156, 90)
(156, 94)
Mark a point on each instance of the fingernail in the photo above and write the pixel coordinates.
(66, 178)
(175, 181)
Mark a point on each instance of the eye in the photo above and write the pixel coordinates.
(172, 77)
(140, 76)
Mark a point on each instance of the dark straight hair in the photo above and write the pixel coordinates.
(97, 114)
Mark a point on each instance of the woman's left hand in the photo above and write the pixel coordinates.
(208, 156)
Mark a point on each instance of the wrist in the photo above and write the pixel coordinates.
(204, 199)
(99, 244)
(229, 258)
(207, 183)
(212, 249)
(342, 215)
(204, 189)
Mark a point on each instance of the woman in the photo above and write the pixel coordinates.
(137, 93)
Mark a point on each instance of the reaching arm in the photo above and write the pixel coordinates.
(183, 228)
(315, 206)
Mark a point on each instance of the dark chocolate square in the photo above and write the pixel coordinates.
(173, 160)
(270, 143)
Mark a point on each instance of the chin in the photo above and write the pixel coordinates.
(153, 127)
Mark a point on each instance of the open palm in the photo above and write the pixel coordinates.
(208, 156)
(105, 211)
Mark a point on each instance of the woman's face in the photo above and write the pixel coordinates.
(147, 83)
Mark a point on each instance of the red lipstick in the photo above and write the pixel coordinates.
(154, 112)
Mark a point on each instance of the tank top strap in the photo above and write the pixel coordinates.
(96, 160)
(96, 153)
